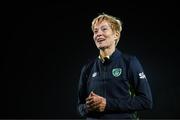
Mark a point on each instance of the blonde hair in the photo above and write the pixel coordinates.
(115, 23)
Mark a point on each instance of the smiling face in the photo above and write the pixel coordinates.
(104, 36)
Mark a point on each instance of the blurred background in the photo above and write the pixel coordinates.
(44, 45)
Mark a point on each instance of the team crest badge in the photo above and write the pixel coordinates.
(116, 72)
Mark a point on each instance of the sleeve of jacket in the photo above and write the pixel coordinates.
(142, 99)
(82, 92)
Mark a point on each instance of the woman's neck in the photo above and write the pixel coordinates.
(106, 52)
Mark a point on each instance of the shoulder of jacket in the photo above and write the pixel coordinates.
(127, 57)
(89, 63)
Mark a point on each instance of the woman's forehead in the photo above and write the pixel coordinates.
(101, 23)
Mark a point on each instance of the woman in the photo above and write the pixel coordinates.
(114, 84)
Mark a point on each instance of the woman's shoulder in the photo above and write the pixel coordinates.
(128, 56)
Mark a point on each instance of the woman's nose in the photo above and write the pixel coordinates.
(99, 33)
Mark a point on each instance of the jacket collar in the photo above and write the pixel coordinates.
(114, 56)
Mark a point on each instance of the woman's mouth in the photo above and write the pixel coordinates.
(100, 39)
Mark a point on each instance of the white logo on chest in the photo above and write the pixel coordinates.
(94, 74)
(142, 75)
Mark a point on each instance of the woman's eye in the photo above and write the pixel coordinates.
(95, 31)
(104, 29)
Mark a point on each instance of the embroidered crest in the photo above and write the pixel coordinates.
(116, 72)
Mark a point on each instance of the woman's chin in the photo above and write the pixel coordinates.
(102, 47)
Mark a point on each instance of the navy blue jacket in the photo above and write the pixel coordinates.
(121, 81)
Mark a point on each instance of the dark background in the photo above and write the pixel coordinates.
(44, 45)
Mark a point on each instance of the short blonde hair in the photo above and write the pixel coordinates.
(115, 23)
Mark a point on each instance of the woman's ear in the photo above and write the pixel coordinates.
(117, 34)
(117, 37)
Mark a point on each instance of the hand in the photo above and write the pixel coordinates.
(95, 102)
